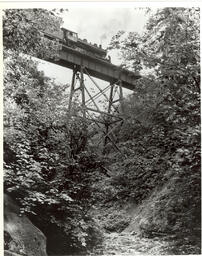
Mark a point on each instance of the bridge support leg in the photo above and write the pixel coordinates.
(82, 88)
(84, 134)
(107, 125)
(77, 75)
(110, 125)
(77, 85)
(71, 92)
(121, 97)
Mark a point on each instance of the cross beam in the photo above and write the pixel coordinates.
(109, 119)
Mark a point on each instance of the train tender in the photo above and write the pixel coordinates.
(71, 39)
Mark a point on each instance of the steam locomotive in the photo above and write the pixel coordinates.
(71, 39)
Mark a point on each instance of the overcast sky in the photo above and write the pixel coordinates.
(97, 25)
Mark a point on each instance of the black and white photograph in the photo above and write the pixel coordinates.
(101, 129)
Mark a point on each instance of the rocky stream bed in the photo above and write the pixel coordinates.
(128, 244)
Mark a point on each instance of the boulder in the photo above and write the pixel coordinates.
(21, 237)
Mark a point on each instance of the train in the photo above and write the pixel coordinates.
(71, 39)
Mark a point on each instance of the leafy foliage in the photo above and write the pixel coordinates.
(164, 120)
(46, 168)
(23, 32)
(48, 164)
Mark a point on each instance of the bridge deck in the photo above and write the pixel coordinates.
(98, 68)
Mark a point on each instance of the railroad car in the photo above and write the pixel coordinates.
(71, 39)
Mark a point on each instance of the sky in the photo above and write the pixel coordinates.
(97, 25)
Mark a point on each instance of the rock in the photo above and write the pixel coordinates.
(133, 233)
(8, 253)
(21, 237)
(130, 245)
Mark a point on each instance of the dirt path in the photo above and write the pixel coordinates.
(127, 244)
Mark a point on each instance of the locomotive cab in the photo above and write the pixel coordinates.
(70, 35)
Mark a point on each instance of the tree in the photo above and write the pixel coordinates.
(168, 96)
(52, 188)
(23, 32)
